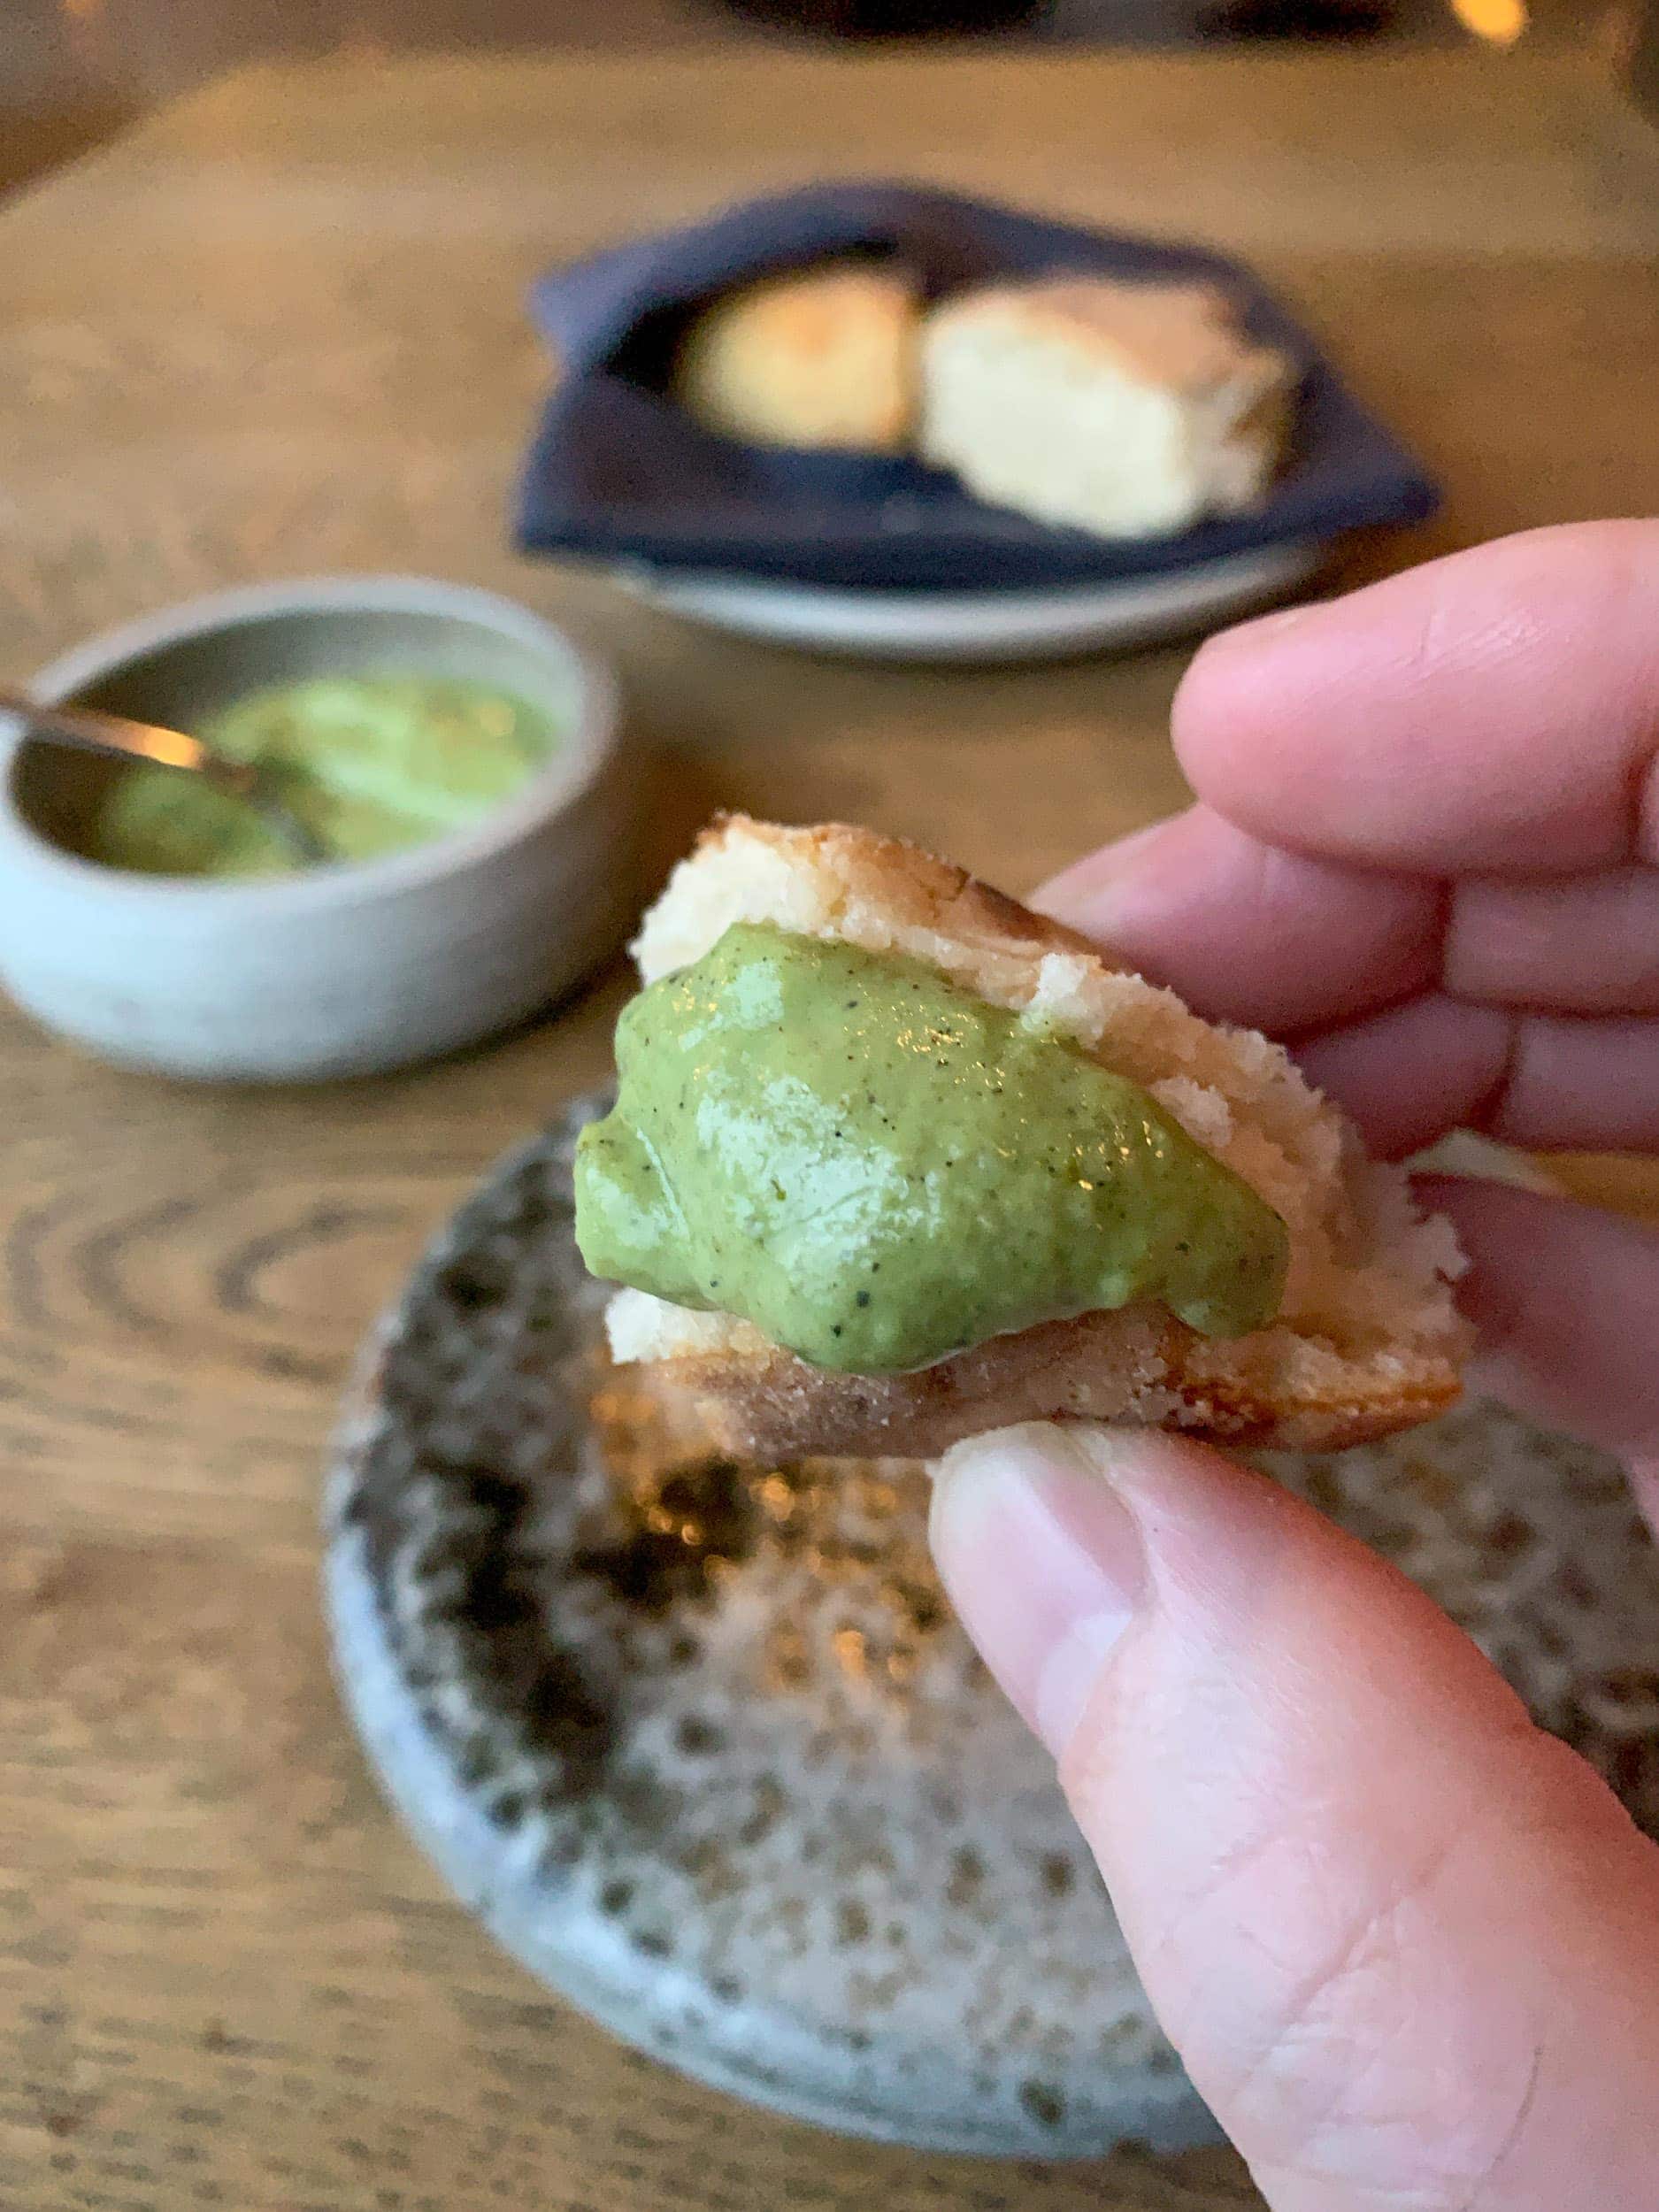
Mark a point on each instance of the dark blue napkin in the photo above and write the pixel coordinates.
(618, 472)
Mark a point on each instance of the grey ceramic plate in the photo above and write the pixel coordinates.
(707, 1753)
(970, 628)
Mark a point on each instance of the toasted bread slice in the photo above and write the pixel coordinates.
(819, 357)
(1367, 1340)
(1129, 410)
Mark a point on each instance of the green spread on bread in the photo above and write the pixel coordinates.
(878, 1167)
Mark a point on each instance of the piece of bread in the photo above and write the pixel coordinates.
(1367, 1340)
(1126, 410)
(822, 356)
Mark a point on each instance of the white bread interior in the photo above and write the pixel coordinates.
(1129, 410)
(822, 356)
(1367, 1340)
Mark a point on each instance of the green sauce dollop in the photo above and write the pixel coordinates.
(878, 1169)
(371, 763)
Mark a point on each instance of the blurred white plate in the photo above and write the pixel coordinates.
(1014, 625)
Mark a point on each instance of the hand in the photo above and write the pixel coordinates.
(1407, 1944)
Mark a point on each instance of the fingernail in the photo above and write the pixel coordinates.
(1043, 1563)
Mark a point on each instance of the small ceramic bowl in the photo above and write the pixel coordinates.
(345, 970)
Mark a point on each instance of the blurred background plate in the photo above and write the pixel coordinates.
(980, 627)
(618, 472)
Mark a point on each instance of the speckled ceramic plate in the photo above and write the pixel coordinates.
(707, 1753)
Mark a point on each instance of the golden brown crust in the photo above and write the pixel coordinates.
(1127, 1367)
(1139, 1365)
(954, 902)
(1182, 336)
(909, 881)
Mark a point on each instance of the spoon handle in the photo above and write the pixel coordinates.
(119, 739)
(124, 740)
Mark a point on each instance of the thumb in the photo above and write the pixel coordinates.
(1407, 1944)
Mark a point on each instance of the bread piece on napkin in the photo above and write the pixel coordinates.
(1125, 410)
(822, 356)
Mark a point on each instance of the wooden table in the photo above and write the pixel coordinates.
(280, 329)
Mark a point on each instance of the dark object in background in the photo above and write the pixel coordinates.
(1296, 18)
(892, 19)
(1307, 19)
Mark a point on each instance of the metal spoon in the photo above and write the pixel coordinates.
(123, 739)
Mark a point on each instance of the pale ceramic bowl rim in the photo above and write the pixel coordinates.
(588, 744)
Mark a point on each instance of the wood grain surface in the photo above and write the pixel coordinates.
(278, 330)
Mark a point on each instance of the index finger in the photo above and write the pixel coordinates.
(1493, 712)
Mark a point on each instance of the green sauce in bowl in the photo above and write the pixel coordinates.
(371, 765)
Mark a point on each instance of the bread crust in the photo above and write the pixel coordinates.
(1139, 1364)
(915, 885)
(1179, 337)
(1130, 1367)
